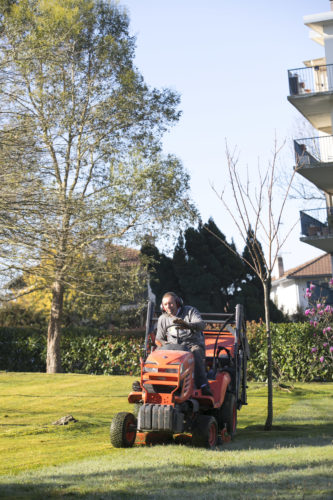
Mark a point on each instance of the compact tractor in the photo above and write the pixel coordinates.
(168, 405)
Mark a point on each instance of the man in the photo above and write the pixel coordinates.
(183, 325)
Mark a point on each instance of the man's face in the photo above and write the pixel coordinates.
(169, 305)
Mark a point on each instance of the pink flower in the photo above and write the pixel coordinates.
(318, 306)
(307, 312)
(321, 312)
(325, 344)
(331, 349)
(315, 323)
(328, 309)
(328, 328)
(331, 281)
(321, 359)
(314, 349)
(312, 286)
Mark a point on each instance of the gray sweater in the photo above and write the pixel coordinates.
(191, 336)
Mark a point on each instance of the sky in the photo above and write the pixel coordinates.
(228, 60)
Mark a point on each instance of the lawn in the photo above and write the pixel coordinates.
(40, 460)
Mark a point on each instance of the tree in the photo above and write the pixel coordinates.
(257, 209)
(202, 271)
(160, 269)
(110, 277)
(98, 174)
(208, 273)
(250, 291)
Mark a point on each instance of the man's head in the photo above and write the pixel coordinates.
(171, 303)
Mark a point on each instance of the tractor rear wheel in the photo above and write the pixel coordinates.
(205, 432)
(229, 413)
(123, 430)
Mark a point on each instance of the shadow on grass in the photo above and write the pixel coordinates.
(254, 436)
(310, 480)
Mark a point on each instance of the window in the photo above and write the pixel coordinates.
(322, 291)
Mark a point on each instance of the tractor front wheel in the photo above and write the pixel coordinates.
(123, 430)
(205, 432)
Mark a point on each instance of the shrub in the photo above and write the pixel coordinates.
(22, 349)
(109, 355)
(321, 320)
(83, 351)
(291, 353)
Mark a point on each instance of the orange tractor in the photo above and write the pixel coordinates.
(167, 404)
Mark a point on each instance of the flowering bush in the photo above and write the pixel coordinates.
(321, 319)
(291, 353)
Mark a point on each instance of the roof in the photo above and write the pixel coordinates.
(320, 266)
(128, 256)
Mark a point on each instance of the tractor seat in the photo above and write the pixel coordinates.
(223, 364)
(211, 374)
(223, 361)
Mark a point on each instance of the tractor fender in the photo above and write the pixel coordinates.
(195, 405)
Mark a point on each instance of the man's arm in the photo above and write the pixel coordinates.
(195, 322)
(161, 331)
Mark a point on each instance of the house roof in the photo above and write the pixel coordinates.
(320, 266)
(128, 256)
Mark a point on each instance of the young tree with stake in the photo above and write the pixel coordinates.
(258, 217)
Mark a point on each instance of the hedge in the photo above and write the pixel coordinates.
(99, 352)
(291, 353)
(82, 351)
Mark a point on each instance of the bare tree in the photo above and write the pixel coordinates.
(257, 213)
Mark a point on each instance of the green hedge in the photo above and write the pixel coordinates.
(83, 350)
(291, 353)
(91, 351)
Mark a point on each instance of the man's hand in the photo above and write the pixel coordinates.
(181, 322)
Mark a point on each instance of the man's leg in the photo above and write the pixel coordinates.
(200, 376)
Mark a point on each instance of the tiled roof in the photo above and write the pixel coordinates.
(127, 255)
(320, 266)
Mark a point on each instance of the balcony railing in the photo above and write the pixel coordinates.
(313, 150)
(311, 80)
(317, 222)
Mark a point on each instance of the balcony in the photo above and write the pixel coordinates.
(311, 92)
(317, 228)
(314, 161)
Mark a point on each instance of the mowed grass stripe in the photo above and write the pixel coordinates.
(40, 460)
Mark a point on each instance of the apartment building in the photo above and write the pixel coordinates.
(311, 92)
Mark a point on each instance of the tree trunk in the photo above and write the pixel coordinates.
(53, 360)
(269, 419)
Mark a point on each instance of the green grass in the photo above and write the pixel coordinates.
(40, 460)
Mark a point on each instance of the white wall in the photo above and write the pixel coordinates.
(288, 295)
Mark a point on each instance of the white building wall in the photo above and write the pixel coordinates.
(303, 301)
(289, 295)
(328, 42)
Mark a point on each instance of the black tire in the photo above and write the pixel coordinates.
(205, 432)
(229, 413)
(123, 430)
